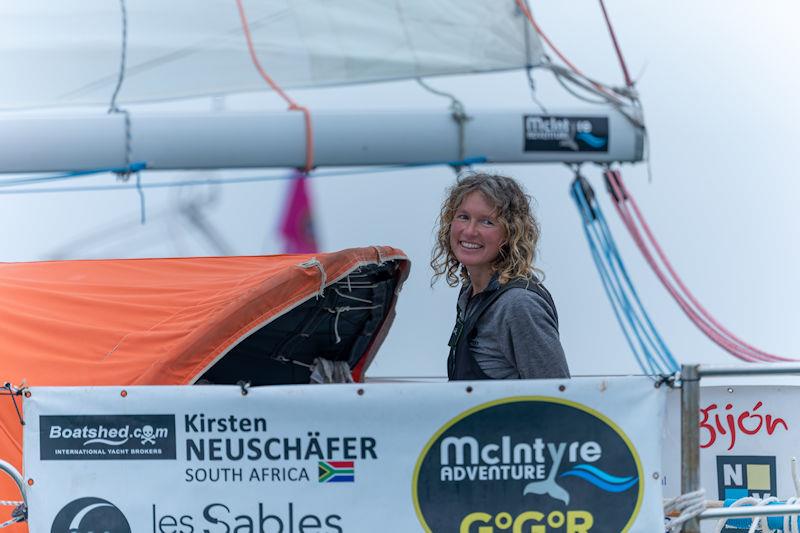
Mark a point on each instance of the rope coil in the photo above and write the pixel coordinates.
(689, 506)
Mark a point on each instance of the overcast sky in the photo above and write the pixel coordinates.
(719, 85)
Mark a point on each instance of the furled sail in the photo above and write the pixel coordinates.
(63, 54)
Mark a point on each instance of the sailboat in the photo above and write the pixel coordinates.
(67, 117)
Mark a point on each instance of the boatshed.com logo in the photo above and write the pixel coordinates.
(90, 515)
(528, 464)
(105, 437)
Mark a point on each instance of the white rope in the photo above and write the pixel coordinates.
(314, 262)
(458, 114)
(688, 505)
(10, 503)
(761, 523)
(344, 309)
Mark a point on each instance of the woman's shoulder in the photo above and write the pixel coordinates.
(526, 298)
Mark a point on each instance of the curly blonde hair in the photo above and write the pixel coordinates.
(513, 212)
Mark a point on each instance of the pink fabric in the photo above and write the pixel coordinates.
(297, 226)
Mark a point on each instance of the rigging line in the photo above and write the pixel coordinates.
(654, 339)
(728, 345)
(584, 188)
(529, 65)
(621, 195)
(659, 346)
(123, 56)
(616, 296)
(585, 194)
(532, 85)
(700, 323)
(636, 325)
(606, 282)
(139, 190)
(529, 15)
(616, 306)
(113, 108)
(293, 106)
(133, 167)
(216, 181)
(623, 66)
(459, 115)
(715, 335)
(13, 394)
(561, 81)
(562, 74)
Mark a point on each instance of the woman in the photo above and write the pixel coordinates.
(506, 325)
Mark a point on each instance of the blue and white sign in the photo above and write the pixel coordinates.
(567, 456)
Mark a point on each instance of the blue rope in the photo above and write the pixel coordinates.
(614, 289)
(136, 167)
(133, 167)
(664, 352)
(611, 253)
(597, 231)
(668, 362)
(614, 304)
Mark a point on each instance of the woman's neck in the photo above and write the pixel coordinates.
(480, 279)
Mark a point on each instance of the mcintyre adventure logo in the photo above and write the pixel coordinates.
(565, 134)
(524, 462)
(104, 437)
(90, 515)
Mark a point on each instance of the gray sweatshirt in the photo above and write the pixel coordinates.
(517, 336)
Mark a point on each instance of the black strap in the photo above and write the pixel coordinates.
(460, 362)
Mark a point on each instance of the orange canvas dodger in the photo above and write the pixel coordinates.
(174, 321)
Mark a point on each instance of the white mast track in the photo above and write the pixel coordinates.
(214, 140)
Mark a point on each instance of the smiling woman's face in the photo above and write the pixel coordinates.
(476, 235)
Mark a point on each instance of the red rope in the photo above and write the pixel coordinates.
(546, 39)
(293, 106)
(628, 80)
(697, 314)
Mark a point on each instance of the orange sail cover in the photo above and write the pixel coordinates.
(175, 321)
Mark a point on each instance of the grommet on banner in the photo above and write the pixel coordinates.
(469, 389)
(360, 392)
(123, 393)
(244, 386)
(562, 388)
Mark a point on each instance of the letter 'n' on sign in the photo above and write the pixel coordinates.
(733, 475)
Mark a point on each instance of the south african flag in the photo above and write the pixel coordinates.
(337, 471)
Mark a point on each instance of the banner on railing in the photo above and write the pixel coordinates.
(571, 456)
(748, 438)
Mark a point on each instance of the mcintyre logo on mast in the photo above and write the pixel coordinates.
(545, 133)
(98, 437)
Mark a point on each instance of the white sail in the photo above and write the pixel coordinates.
(68, 53)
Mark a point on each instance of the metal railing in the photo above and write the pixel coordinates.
(690, 438)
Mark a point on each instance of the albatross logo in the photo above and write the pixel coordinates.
(521, 462)
(89, 515)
